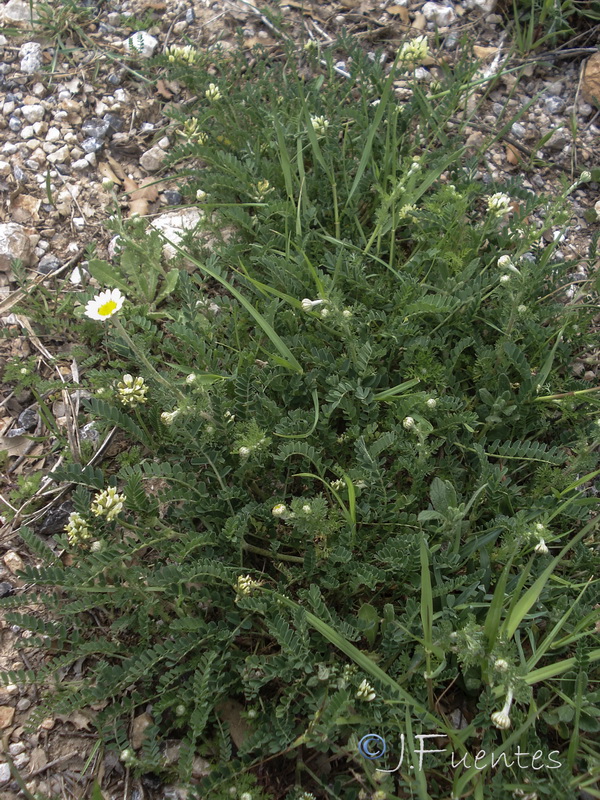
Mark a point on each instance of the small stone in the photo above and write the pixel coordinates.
(14, 562)
(164, 143)
(518, 130)
(114, 79)
(180, 26)
(16, 748)
(23, 704)
(33, 113)
(558, 140)
(114, 19)
(95, 128)
(7, 714)
(4, 773)
(152, 159)
(60, 156)
(92, 145)
(27, 132)
(40, 128)
(23, 759)
(31, 57)
(138, 728)
(15, 124)
(6, 589)
(80, 164)
(5, 169)
(8, 108)
(14, 244)
(190, 16)
(442, 16)
(49, 263)
(47, 724)
(141, 44)
(115, 123)
(200, 767)
(555, 105)
(173, 197)
(589, 375)
(28, 419)
(17, 12)
(53, 135)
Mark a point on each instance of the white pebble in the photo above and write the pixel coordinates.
(4, 774)
(33, 113)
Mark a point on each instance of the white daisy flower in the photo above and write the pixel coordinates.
(105, 305)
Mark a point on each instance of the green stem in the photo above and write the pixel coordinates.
(566, 394)
(279, 556)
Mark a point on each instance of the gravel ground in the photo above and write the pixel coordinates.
(74, 112)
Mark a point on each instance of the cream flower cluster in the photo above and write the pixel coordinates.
(212, 93)
(168, 417)
(366, 692)
(132, 391)
(77, 529)
(108, 504)
(192, 132)
(263, 188)
(320, 125)
(414, 51)
(186, 54)
(498, 204)
(245, 585)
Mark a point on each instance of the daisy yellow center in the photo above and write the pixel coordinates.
(106, 309)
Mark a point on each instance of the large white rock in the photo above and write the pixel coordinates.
(17, 12)
(14, 244)
(140, 44)
(31, 57)
(441, 15)
(174, 225)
